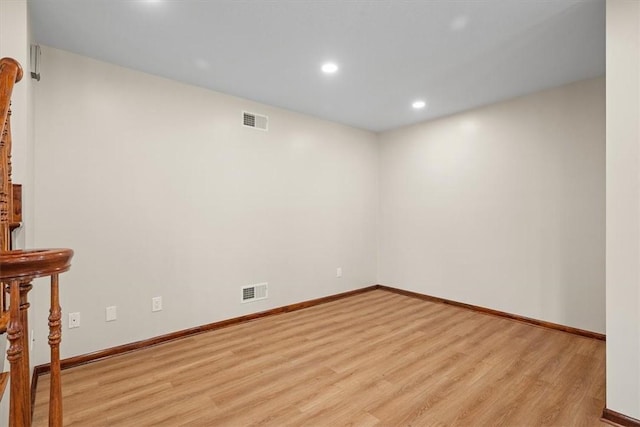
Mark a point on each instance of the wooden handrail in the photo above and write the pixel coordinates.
(30, 264)
(10, 74)
(18, 268)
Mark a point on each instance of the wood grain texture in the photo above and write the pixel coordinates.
(542, 323)
(138, 345)
(55, 336)
(31, 263)
(25, 288)
(16, 208)
(19, 410)
(4, 379)
(618, 419)
(376, 358)
(17, 269)
(10, 74)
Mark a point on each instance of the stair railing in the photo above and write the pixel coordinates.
(18, 268)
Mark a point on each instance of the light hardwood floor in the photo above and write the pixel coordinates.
(376, 358)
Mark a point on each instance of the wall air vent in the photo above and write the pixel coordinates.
(254, 292)
(256, 121)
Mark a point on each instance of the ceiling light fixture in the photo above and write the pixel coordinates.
(329, 68)
(419, 104)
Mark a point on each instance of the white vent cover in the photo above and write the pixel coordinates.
(254, 292)
(256, 121)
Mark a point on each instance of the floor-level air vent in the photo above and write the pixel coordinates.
(255, 121)
(254, 292)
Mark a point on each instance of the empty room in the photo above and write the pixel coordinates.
(320, 213)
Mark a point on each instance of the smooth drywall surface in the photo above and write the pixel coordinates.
(623, 207)
(161, 191)
(502, 207)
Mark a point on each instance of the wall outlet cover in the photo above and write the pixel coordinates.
(74, 320)
(111, 313)
(156, 303)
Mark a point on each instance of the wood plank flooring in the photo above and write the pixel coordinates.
(376, 358)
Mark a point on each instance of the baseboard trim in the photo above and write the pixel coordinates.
(616, 418)
(536, 322)
(83, 359)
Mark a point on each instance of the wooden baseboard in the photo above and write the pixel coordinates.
(616, 418)
(126, 348)
(608, 416)
(498, 313)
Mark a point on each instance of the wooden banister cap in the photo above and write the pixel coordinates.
(15, 63)
(34, 263)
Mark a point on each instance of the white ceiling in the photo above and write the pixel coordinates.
(455, 54)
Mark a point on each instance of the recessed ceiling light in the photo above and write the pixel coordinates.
(329, 68)
(418, 104)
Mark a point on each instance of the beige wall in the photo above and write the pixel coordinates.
(496, 207)
(161, 191)
(502, 206)
(623, 207)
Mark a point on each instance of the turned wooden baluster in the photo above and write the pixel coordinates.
(55, 334)
(24, 288)
(18, 269)
(10, 74)
(20, 411)
(5, 184)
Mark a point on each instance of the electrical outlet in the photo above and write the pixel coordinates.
(74, 320)
(111, 314)
(156, 303)
(339, 272)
